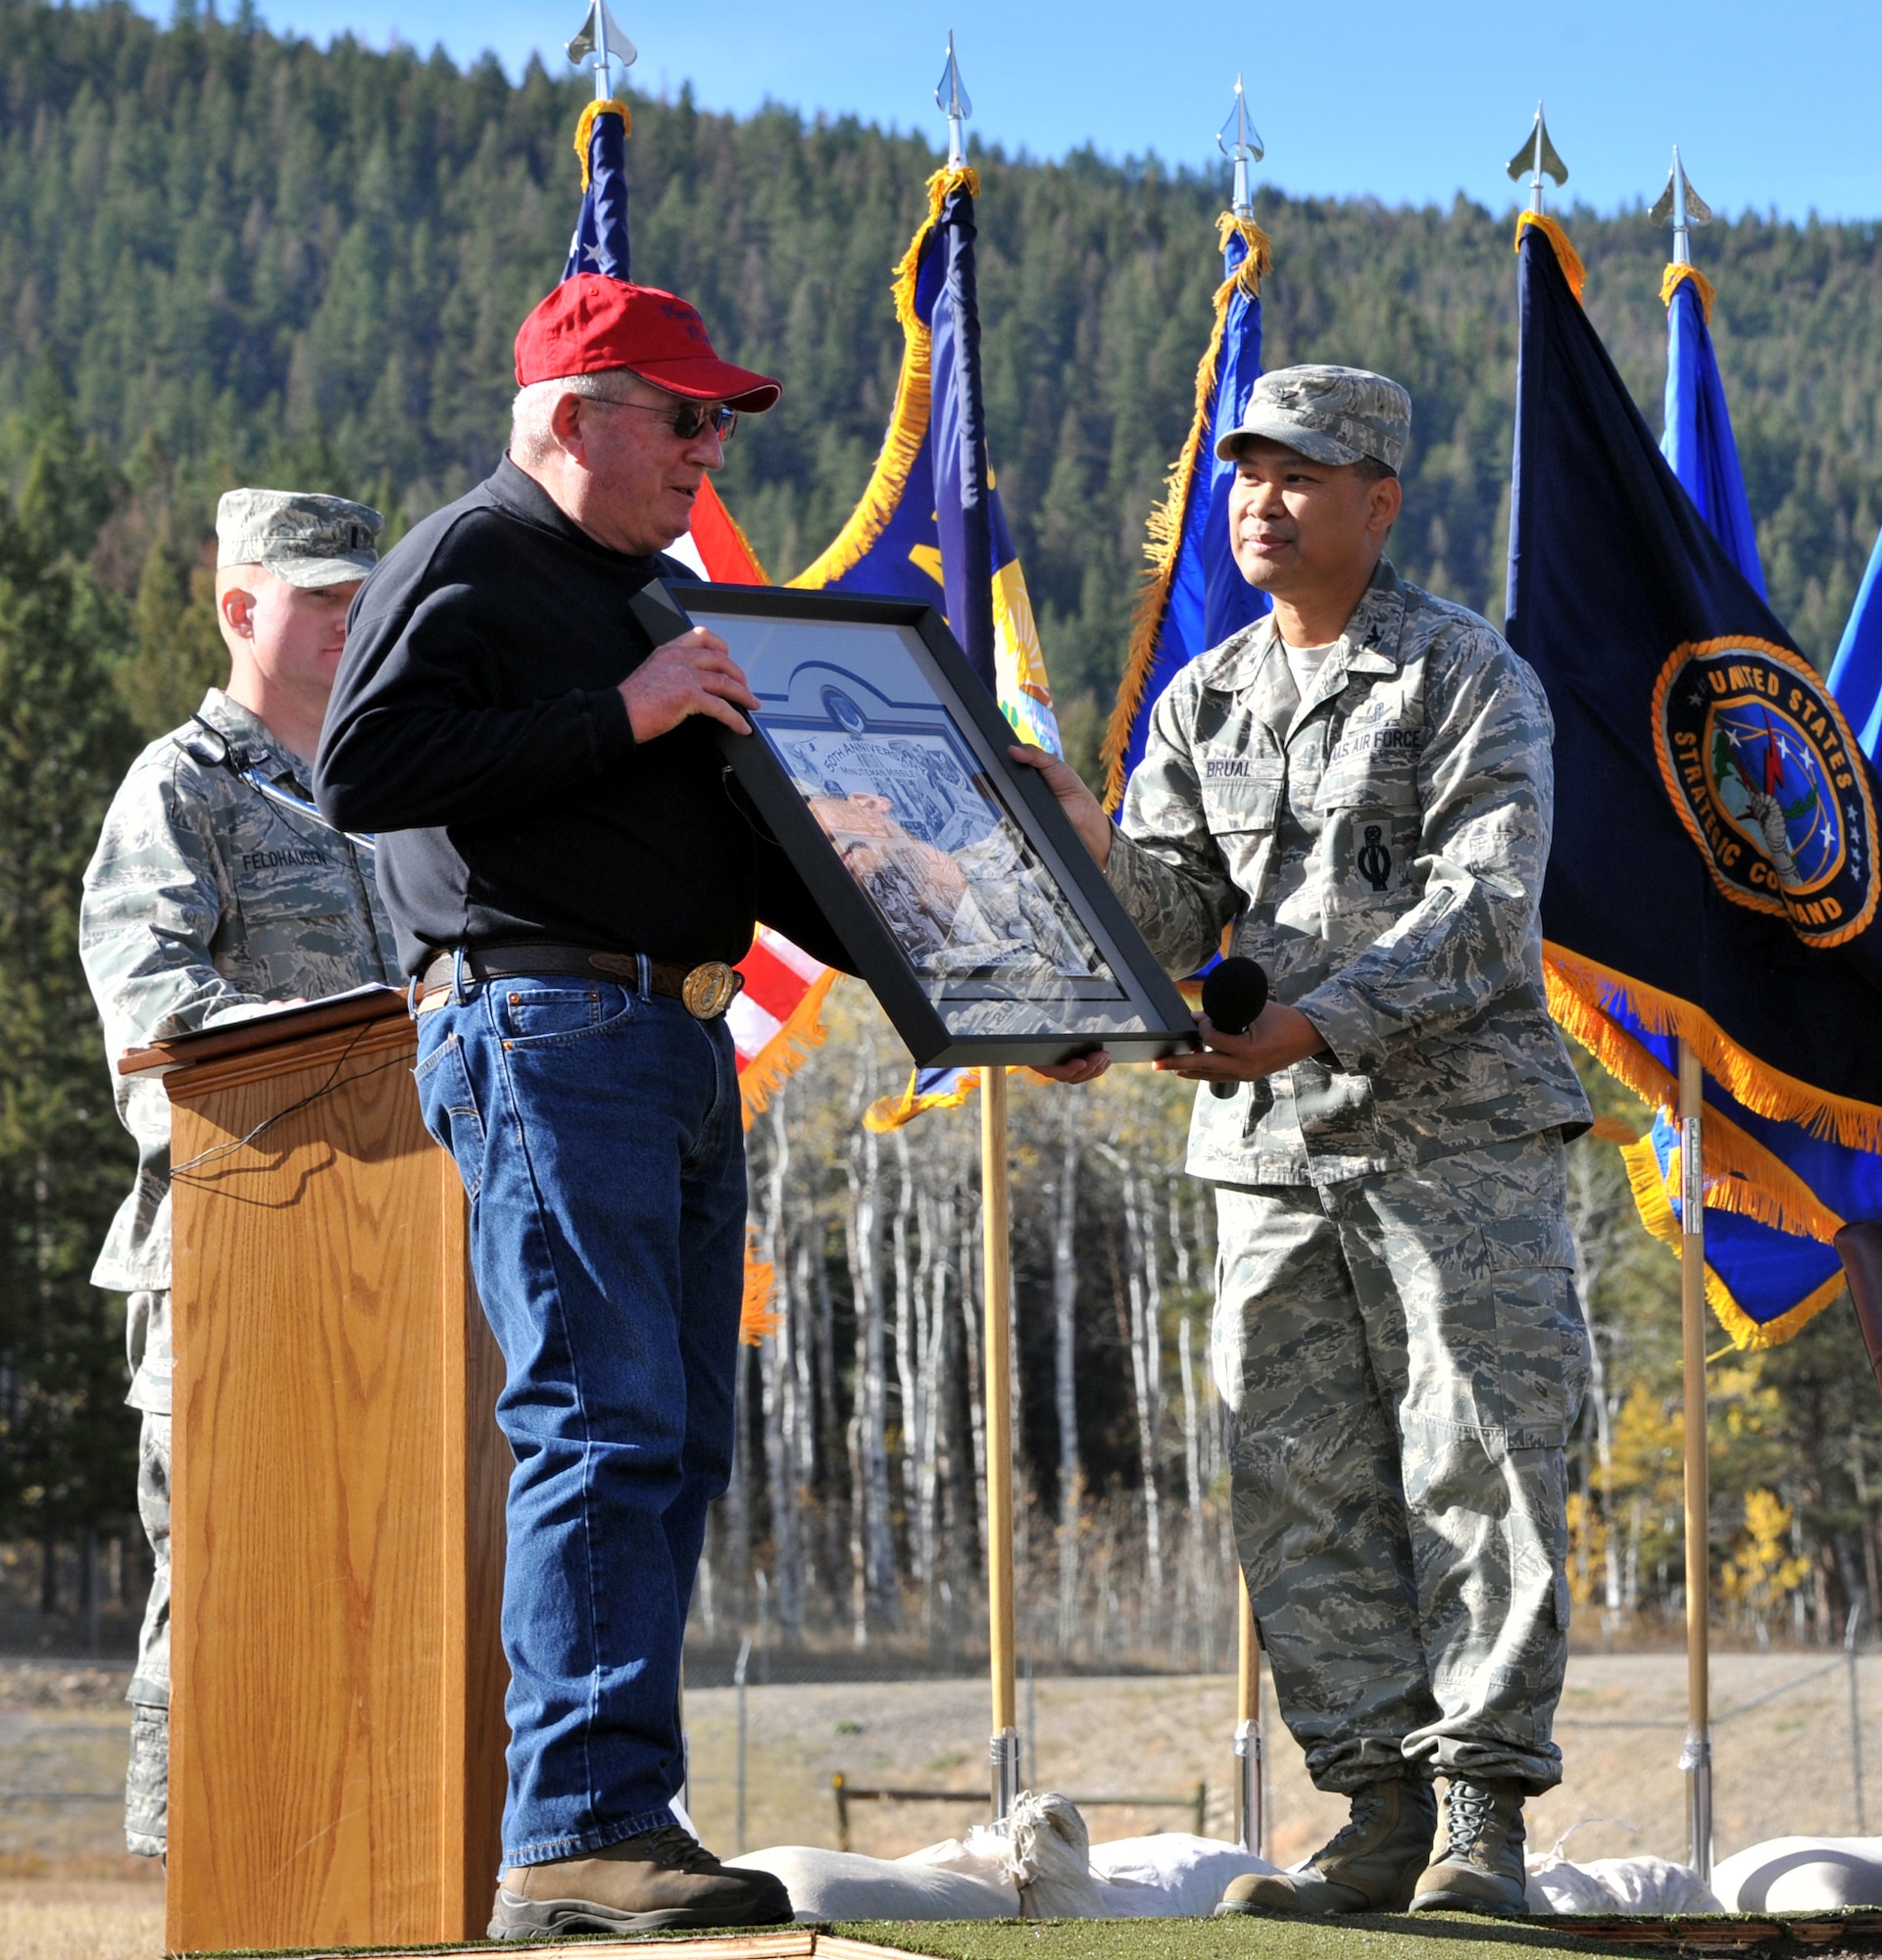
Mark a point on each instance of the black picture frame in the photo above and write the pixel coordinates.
(901, 706)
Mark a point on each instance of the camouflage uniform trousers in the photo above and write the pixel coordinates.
(147, 1781)
(1403, 1357)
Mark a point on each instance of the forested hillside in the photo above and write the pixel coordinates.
(242, 250)
(228, 258)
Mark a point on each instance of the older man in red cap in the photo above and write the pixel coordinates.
(571, 881)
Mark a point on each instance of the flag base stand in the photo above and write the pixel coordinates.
(1247, 1787)
(1696, 1759)
(1003, 1755)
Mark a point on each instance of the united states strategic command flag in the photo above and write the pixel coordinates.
(1195, 595)
(1774, 1278)
(1712, 873)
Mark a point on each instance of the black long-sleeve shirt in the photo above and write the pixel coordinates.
(476, 726)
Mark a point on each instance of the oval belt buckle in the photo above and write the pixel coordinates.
(709, 990)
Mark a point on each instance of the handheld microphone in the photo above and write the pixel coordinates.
(1234, 993)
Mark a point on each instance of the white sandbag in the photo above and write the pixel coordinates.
(1171, 1876)
(1616, 1884)
(1802, 1875)
(943, 1882)
(1047, 1853)
(1040, 1865)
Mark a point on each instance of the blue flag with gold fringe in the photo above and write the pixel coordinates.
(1856, 674)
(1697, 439)
(1195, 595)
(1712, 871)
(929, 525)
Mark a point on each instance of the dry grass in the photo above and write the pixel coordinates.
(61, 1916)
(1780, 1769)
(67, 1891)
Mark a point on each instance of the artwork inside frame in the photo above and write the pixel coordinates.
(949, 872)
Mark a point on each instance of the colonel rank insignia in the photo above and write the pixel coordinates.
(1761, 766)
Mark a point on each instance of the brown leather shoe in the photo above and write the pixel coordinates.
(660, 1878)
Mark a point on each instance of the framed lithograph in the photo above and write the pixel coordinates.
(951, 875)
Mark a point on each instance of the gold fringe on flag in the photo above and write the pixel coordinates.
(784, 1053)
(892, 1112)
(909, 419)
(1166, 524)
(1655, 1207)
(757, 1318)
(1575, 986)
(1742, 1176)
(1570, 259)
(1676, 275)
(585, 128)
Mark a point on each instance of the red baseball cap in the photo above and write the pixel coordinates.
(592, 322)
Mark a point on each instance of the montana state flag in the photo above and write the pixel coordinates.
(1712, 873)
(928, 525)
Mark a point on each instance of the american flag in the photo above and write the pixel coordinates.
(777, 1020)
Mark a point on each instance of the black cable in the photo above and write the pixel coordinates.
(268, 1122)
(236, 763)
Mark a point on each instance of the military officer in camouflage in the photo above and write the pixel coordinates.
(1359, 789)
(216, 890)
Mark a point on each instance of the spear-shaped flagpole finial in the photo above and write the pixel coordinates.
(1536, 160)
(1240, 141)
(1683, 206)
(952, 99)
(598, 43)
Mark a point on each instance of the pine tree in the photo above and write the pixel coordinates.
(66, 1444)
(176, 651)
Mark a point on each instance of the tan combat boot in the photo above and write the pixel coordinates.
(1480, 1867)
(662, 1877)
(1369, 1865)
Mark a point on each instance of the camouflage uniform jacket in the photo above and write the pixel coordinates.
(1379, 848)
(204, 900)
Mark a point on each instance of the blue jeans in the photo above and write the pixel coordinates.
(598, 1132)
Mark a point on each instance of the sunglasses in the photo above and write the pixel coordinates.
(687, 421)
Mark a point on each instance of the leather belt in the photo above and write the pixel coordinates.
(705, 991)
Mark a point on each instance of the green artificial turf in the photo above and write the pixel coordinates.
(1438, 1937)
(1446, 1937)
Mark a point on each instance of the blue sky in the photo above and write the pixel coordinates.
(1773, 105)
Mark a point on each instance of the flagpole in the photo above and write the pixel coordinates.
(1682, 233)
(996, 1260)
(1696, 1759)
(1250, 1824)
(598, 44)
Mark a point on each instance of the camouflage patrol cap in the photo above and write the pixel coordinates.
(1330, 414)
(299, 535)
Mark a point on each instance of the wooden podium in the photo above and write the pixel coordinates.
(337, 1770)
